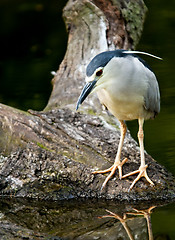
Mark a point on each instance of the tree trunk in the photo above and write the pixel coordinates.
(93, 27)
(51, 154)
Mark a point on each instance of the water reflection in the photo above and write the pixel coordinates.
(84, 220)
(127, 222)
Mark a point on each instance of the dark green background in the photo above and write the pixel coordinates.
(32, 44)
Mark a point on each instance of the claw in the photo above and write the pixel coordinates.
(142, 173)
(112, 170)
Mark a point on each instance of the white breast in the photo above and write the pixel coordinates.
(124, 88)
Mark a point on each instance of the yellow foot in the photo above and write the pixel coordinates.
(112, 169)
(142, 173)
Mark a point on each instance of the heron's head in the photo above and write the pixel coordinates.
(104, 67)
(97, 73)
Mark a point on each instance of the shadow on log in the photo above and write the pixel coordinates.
(51, 154)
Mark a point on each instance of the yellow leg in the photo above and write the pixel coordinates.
(117, 164)
(142, 169)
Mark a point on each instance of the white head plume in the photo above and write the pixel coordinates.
(144, 53)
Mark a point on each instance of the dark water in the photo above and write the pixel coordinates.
(21, 219)
(33, 43)
(158, 38)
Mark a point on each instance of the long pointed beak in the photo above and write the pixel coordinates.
(85, 92)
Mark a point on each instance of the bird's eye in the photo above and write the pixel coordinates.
(99, 73)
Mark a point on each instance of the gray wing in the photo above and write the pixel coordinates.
(152, 98)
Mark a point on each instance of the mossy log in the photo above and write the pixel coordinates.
(51, 154)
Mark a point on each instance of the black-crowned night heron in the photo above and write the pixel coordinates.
(128, 88)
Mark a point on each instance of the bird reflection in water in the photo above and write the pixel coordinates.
(129, 216)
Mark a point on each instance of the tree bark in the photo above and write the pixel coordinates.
(51, 154)
(93, 27)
